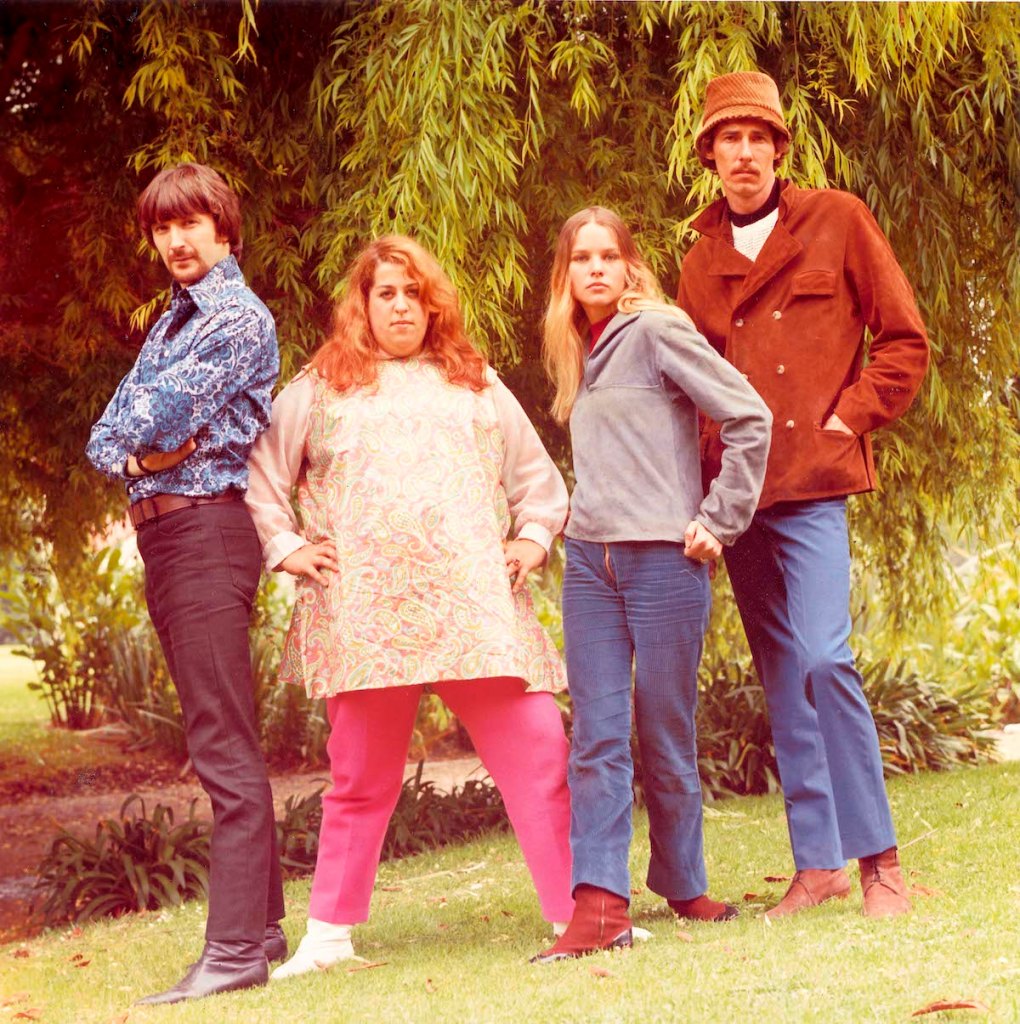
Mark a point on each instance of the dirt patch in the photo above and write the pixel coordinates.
(29, 824)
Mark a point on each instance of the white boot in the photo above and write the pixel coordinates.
(323, 945)
(559, 927)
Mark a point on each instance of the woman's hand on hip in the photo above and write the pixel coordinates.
(312, 561)
(521, 557)
(700, 544)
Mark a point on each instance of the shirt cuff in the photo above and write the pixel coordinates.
(538, 533)
(282, 545)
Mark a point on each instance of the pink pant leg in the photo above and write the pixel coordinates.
(519, 738)
(370, 732)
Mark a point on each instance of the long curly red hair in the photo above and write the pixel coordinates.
(350, 355)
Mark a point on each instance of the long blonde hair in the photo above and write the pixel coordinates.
(350, 355)
(565, 319)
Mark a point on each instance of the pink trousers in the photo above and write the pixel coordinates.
(517, 735)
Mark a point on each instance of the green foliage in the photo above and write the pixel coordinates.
(736, 755)
(424, 819)
(139, 692)
(979, 646)
(72, 627)
(920, 726)
(479, 127)
(134, 863)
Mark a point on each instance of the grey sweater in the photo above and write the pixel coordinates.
(634, 431)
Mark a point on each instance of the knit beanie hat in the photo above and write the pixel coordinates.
(739, 96)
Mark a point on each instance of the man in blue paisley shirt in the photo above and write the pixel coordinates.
(178, 431)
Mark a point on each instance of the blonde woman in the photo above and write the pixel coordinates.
(411, 460)
(631, 374)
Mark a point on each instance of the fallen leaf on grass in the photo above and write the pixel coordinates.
(777, 878)
(429, 987)
(941, 1004)
(392, 888)
(366, 966)
(485, 918)
(506, 913)
(685, 936)
(442, 927)
(28, 1014)
(15, 997)
(22, 953)
(751, 897)
(924, 890)
(601, 972)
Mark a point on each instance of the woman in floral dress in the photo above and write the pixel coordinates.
(411, 460)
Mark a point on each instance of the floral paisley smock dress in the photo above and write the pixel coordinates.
(415, 481)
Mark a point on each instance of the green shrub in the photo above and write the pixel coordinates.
(140, 693)
(424, 819)
(133, 863)
(921, 726)
(66, 624)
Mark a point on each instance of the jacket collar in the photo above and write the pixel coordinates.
(724, 261)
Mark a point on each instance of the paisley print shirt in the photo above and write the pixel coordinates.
(416, 481)
(206, 370)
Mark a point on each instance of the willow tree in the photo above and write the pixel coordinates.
(479, 126)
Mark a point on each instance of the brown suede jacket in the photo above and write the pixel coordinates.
(793, 322)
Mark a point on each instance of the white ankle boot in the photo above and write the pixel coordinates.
(323, 945)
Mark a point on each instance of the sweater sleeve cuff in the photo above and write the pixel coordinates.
(282, 545)
(537, 533)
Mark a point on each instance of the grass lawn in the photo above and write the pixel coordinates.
(451, 933)
(29, 745)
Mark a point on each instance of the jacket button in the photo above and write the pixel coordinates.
(790, 424)
(780, 368)
(777, 314)
(740, 321)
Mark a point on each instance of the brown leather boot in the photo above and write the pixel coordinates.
(600, 921)
(885, 892)
(811, 887)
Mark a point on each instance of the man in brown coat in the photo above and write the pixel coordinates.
(788, 284)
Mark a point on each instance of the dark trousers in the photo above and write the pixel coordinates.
(202, 569)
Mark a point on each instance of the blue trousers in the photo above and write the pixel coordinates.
(635, 610)
(791, 578)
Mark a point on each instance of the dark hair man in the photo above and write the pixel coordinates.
(178, 431)
(785, 282)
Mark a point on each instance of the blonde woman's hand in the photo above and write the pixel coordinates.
(521, 557)
(312, 561)
(700, 544)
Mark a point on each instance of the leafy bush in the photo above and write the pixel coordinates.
(921, 726)
(735, 751)
(139, 690)
(424, 819)
(981, 644)
(134, 863)
(66, 624)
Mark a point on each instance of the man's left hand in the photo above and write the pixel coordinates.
(836, 424)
